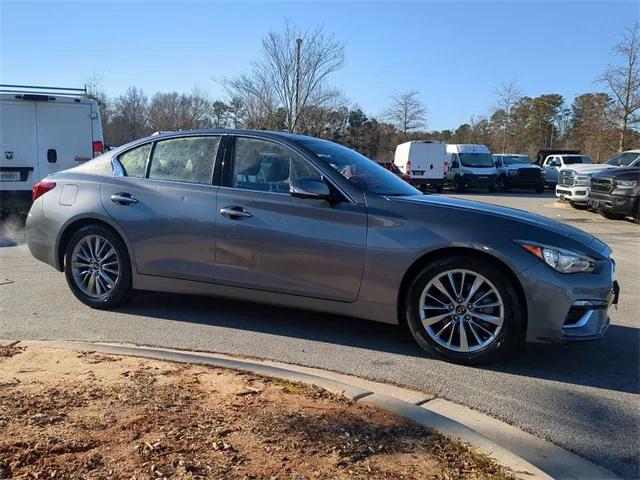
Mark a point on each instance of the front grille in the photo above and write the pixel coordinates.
(529, 174)
(567, 178)
(602, 184)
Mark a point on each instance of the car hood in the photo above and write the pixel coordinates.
(512, 214)
(586, 167)
(519, 166)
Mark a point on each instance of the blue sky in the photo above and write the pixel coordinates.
(455, 53)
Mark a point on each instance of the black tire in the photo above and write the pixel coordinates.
(579, 206)
(611, 215)
(458, 184)
(508, 339)
(121, 290)
(502, 186)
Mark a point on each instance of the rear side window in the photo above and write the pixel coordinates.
(134, 161)
(188, 159)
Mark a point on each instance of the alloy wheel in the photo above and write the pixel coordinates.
(462, 311)
(95, 266)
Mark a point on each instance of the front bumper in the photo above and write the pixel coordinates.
(479, 181)
(576, 194)
(569, 307)
(612, 203)
(514, 181)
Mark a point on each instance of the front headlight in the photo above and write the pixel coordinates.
(626, 183)
(563, 261)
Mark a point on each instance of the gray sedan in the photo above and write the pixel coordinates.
(298, 221)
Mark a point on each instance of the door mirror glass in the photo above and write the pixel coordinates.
(310, 187)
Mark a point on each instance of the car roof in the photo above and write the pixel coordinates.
(286, 136)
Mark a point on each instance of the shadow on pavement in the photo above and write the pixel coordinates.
(610, 364)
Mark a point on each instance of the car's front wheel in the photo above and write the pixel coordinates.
(465, 310)
(97, 267)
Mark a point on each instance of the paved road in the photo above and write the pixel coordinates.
(583, 397)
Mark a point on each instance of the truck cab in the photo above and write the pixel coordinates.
(518, 171)
(471, 166)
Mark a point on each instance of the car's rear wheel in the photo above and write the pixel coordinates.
(97, 267)
(465, 310)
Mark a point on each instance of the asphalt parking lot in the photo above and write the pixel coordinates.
(584, 397)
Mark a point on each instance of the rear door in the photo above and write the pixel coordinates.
(18, 145)
(64, 135)
(166, 205)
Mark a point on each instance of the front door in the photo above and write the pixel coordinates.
(166, 205)
(268, 240)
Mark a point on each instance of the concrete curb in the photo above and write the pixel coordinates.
(527, 456)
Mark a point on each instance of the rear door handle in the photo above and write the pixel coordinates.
(123, 198)
(235, 213)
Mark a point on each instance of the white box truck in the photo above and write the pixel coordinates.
(425, 162)
(42, 130)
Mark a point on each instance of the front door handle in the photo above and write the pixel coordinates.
(123, 198)
(235, 213)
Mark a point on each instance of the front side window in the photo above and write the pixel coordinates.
(623, 159)
(134, 161)
(365, 174)
(188, 159)
(266, 166)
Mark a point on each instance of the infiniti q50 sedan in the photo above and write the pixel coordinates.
(302, 222)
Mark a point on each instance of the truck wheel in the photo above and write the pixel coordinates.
(611, 215)
(458, 184)
(465, 310)
(502, 186)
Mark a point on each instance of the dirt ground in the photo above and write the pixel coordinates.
(65, 414)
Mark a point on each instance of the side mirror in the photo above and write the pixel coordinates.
(310, 187)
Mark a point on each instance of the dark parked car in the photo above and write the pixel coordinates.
(615, 193)
(303, 222)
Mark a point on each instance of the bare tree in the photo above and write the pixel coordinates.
(406, 111)
(623, 81)
(507, 97)
(130, 116)
(287, 78)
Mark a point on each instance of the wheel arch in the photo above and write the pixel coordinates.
(419, 264)
(74, 225)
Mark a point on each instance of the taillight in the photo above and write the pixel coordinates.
(408, 167)
(98, 148)
(41, 188)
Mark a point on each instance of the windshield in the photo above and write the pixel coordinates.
(365, 174)
(472, 160)
(623, 159)
(576, 159)
(516, 160)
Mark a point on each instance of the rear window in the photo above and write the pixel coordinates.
(576, 159)
(134, 161)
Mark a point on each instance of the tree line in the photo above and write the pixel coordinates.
(289, 89)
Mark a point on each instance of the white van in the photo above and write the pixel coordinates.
(471, 166)
(424, 161)
(42, 130)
